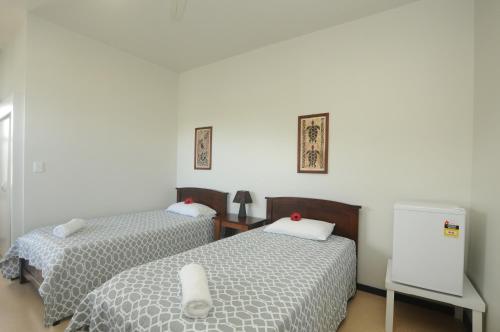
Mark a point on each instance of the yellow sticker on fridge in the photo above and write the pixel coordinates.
(451, 230)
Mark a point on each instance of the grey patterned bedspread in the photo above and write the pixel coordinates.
(258, 282)
(74, 266)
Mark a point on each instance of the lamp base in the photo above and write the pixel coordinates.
(243, 211)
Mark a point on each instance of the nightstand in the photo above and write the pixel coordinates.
(232, 221)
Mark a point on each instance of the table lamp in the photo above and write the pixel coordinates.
(243, 197)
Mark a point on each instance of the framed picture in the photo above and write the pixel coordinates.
(203, 148)
(312, 149)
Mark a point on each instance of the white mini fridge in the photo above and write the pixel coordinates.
(429, 246)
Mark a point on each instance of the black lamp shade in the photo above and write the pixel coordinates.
(242, 196)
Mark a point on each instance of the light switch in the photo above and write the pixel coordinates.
(38, 167)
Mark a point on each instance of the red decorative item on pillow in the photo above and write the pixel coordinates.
(295, 216)
(188, 200)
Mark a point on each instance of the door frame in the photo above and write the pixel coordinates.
(6, 111)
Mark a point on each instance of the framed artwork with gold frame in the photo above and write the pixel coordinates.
(203, 148)
(312, 146)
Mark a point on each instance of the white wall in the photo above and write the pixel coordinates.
(484, 267)
(2, 75)
(10, 57)
(103, 121)
(6, 84)
(399, 89)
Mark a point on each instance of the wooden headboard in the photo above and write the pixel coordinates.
(217, 200)
(345, 216)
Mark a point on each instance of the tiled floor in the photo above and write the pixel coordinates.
(366, 312)
(21, 310)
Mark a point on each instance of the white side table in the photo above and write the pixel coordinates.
(470, 300)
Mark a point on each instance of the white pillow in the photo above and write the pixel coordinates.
(192, 210)
(304, 228)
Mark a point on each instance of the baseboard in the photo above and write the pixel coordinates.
(431, 305)
(372, 290)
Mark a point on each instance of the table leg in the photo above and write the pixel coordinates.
(217, 223)
(389, 311)
(459, 313)
(22, 264)
(477, 321)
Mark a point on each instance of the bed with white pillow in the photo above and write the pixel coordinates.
(66, 269)
(261, 280)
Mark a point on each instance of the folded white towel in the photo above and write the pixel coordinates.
(69, 228)
(196, 301)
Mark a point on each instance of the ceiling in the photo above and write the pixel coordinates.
(210, 30)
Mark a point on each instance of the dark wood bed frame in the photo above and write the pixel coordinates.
(344, 216)
(217, 200)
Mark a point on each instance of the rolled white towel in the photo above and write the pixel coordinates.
(68, 228)
(196, 300)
